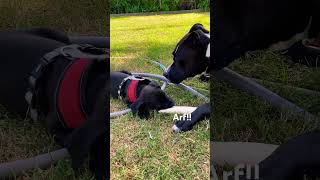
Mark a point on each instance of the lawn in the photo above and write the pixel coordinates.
(147, 149)
(21, 138)
(238, 116)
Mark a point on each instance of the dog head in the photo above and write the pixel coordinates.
(190, 57)
(151, 98)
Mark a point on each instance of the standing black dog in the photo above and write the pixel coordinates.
(191, 57)
(69, 92)
(141, 94)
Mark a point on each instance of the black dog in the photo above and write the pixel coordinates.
(69, 92)
(241, 26)
(141, 94)
(191, 57)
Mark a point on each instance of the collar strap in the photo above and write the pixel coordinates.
(132, 95)
(69, 94)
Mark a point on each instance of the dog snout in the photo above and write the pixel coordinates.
(174, 75)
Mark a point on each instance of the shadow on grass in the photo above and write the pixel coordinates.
(238, 116)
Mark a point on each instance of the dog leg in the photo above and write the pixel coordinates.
(199, 114)
(98, 158)
(81, 140)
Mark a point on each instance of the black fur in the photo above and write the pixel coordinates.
(241, 26)
(20, 53)
(189, 56)
(297, 159)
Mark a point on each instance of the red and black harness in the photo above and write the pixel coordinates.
(70, 94)
(128, 88)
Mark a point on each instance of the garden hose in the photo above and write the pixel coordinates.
(265, 94)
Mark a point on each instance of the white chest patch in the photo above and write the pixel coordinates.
(208, 48)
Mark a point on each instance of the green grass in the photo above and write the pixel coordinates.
(238, 116)
(147, 149)
(22, 138)
(73, 16)
(241, 117)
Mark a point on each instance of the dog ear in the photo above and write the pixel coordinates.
(198, 39)
(140, 108)
(198, 26)
(194, 38)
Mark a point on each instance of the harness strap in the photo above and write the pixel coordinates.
(68, 99)
(132, 96)
(83, 51)
(70, 52)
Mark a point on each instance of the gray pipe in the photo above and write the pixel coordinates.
(119, 113)
(43, 161)
(254, 88)
(303, 90)
(100, 42)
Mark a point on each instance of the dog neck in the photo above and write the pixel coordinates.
(130, 88)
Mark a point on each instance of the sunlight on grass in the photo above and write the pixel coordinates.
(144, 149)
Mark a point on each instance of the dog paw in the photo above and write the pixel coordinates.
(175, 129)
(204, 77)
(181, 126)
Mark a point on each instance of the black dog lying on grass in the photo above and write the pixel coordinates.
(63, 86)
(142, 95)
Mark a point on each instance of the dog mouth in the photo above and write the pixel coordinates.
(173, 78)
